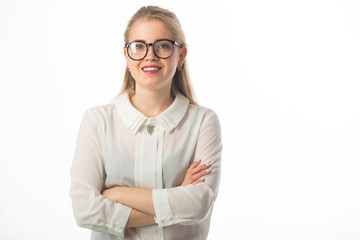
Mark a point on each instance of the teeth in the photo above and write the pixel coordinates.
(151, 69)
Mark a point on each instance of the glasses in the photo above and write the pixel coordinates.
(162, 48)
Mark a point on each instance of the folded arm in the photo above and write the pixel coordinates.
(191, 202)
(141, 200)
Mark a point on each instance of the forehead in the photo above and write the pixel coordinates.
(149, 31)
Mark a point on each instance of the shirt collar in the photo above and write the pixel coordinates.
(168, 119)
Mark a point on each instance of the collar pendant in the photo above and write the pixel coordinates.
(150, 129)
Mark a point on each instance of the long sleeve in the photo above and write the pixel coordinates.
(193, 203)
(91, 209)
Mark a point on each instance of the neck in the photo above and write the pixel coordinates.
(151, 103)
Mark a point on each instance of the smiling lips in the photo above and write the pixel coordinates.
(151, 69)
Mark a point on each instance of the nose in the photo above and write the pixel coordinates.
(150, 56)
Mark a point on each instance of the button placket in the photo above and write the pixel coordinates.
(148, 151)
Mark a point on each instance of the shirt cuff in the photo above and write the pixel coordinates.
(164, 216)
(119, 219)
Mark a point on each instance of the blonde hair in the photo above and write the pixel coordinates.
(181, 80)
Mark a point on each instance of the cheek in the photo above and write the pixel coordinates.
(173, 63)
(132, 64)
(172, 67)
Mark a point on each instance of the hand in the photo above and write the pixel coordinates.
(195, 173)
(110, 193)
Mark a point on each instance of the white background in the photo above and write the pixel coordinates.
(283, 76)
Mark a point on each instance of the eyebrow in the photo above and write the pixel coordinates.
(141, 40)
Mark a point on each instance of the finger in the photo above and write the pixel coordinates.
(198, 181)
(199, 175)
(194, 164)
(199, 168)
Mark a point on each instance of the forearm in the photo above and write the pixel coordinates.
(136, 198)
(139, 219)
(142, 199)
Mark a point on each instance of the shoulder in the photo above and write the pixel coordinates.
(100, 113)
(207, 122)
(204, 113)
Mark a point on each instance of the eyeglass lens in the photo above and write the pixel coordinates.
(162, 49)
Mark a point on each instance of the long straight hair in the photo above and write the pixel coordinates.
(181, 80)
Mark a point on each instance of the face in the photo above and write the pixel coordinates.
(153, 73)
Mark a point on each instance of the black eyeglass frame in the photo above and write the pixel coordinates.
(152, 44)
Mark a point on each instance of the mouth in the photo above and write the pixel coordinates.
(151, 69)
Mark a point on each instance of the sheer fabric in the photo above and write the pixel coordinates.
(118, 146)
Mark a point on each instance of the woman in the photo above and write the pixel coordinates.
(147, 166)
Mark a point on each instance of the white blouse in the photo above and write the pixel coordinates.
(118, 146)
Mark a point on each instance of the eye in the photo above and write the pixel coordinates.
(137, 47)
(164, 46)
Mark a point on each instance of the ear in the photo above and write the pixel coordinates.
(182, 56)
(126, 59)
